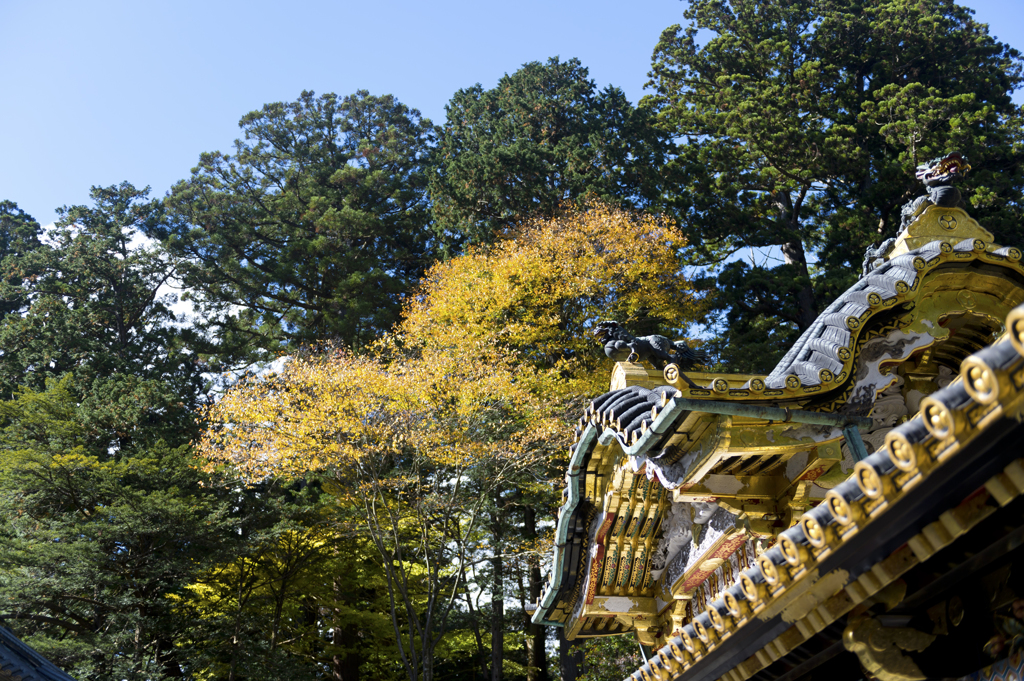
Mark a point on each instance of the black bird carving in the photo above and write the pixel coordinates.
(620, 346)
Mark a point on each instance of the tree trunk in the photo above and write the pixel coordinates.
(794, 254)
(474, 617)
(536, 635)
(344, 665)
(497, 592)
(570, 657)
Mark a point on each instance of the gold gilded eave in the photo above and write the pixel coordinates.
(793, 588)
(949, 225)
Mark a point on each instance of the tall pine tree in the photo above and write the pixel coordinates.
(800, 124)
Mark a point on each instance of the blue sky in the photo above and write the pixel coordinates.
(99, 92)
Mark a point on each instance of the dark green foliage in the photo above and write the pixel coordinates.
(610, 658)
(19, 261)
(91, 547)
(316, 225)
(142, 567)
(541, 137)
(800, 125)
(96, 312)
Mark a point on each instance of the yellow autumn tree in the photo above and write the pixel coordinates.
(414, 442)
(538, 292)
(442, 434)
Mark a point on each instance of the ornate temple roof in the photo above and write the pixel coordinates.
(722, 518)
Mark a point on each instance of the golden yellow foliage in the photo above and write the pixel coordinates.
(432, 433)
(334, 409)
(538, 292)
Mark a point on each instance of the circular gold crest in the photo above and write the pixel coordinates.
(793, 382)
(671, 373)
(868, 480)
(688, 642)
(874, 300)
(733, 604)
(667, 663)
(852, 323)
(677, 652)
(902, 287)
(919, 263)
(937, 419)
(901, 453)
(749, 588)
(756, 384)
(793, 553)
(813, 530)
(946, 247)
(967, 299)
(843, 353)
(768, 570)
(721, 385)
(825, 376)
(702, 632)
(981, 383)
(716, 619)
(839, 507)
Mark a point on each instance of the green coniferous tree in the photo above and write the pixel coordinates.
(800, 123)
(542, 137)
(316, 225)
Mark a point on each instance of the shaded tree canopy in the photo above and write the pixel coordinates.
(19, 261)
(799, 126)
(314, 227)
(543, 136)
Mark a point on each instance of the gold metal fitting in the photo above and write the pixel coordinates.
(692, 646)
(680, 655)
(668, 663)
(751, 589)
(817, 536)
(903, 453)
(1015, 325)
(843, 511)
(706, 636)
(981, 381)
(671, 373)
(773, 574)
(873, 485)
(717, 621)
(795, 554)
(737, 608)
(941, 421)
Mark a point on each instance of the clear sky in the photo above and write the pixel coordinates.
(98, 92)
